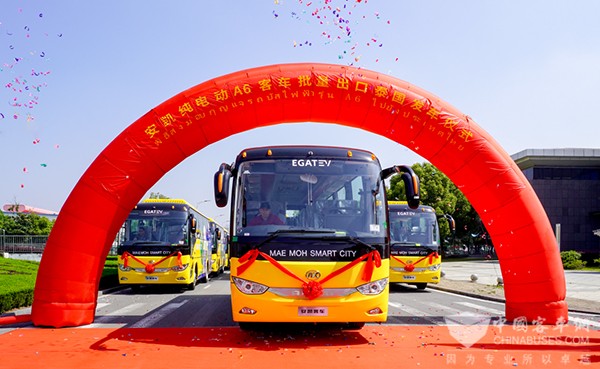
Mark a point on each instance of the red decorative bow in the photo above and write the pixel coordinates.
(313, 289)
(411, 266)
(149, 267)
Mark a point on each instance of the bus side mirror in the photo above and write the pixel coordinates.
(221, 185)
(451, 222)
(192, 225)
(411, 183)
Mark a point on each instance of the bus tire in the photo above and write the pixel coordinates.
(207, 271)
(355, 325)
(421, 286)
(248, 326)
(192, 285)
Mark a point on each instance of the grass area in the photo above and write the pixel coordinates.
(110, 273)
(591, 268)
(17, 281)
(16, 275)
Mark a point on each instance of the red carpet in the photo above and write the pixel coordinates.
(371, 347)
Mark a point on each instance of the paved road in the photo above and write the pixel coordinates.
(209, 306)
(584, 285)
(425, 328)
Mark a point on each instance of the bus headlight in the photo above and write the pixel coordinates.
(123, 268)
(373, 288)
(178, 268)
(249, 287)
(434, 268)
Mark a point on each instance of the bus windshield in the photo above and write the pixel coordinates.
(152, 226)
(334, 195)
(414, 228)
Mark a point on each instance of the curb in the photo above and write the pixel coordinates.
(465, 293)
(110, 290)
(497, 299)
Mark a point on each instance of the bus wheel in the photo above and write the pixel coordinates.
(355, 325)
(192, 285)
(421, 286)
(207, 271)
(249, 326)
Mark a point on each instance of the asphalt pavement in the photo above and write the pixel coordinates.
(583, 287)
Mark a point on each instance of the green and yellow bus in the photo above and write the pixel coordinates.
(164, 241)
(415, 256)
(219, 243)
(309, 237)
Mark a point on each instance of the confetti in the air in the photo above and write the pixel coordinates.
(27, 47)
(340, 24)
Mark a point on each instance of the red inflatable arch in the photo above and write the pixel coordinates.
(67, 284)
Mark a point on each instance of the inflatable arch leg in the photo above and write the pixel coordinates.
(66, 287)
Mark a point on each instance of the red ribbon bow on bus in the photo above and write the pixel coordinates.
(313, 289)
(149, 267)
(410, 267)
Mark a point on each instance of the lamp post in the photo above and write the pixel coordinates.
(201, 202)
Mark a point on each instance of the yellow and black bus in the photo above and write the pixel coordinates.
(164, 241)
(309, 237)
(415, 256)
(219, 243)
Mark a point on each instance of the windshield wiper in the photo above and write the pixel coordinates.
(403, 243)
(277, 233)
(147, 243)
(413, 244)
(354, 240)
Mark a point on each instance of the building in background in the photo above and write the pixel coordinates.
(13, 209)
(567, 182)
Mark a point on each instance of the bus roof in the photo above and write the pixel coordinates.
(180, 202)
(295, 151)
(396, 205)
(172, 201)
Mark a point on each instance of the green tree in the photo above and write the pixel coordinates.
(3, 221)
(572, 260)
(158, 195)
(26, 224)
(438, 191)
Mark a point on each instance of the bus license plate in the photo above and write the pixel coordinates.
(312, 311)
(409, 277)
(151, 278)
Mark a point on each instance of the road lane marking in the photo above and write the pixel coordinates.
(100, 305)
(413, 312)
(480, 307)
(127, 309)
(584, 323)
(444, 308)
(158, 315)
(109, 318)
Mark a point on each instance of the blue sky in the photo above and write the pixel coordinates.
(526, 71)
